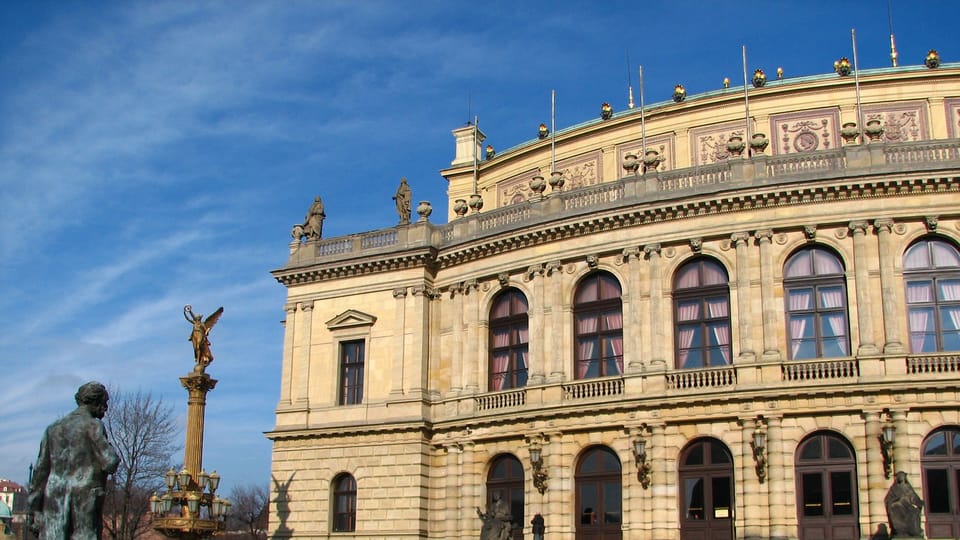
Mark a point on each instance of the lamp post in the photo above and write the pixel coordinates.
(190, 508)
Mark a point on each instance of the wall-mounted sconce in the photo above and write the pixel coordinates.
(536, 463)
(643, 467)
(886, 447)
(759, 446)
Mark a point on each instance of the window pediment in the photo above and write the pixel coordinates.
(351, 318)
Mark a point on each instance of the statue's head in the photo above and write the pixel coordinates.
(94, 397)
(901, 476)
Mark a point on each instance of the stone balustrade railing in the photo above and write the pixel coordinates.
(651, 188)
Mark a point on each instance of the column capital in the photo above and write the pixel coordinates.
(305, 306)
(764, 236)
(883, 225)
(400, 292)
(533, 271)
(552, 267)
(630, 253)
(740, 239)
(651, 249)
(858, 227)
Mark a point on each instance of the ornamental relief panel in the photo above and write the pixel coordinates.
(709, 144)
(664, 144)
(906, 121)
(805, 131)
(580, 171)
(577, 172)
(952, 107)
(516, 189)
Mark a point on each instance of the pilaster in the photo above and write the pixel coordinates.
(861, 271)
(741, 243)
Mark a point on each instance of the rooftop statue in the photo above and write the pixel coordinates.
(199, 336)
(68, 485)
(313, 223)
(402, 198)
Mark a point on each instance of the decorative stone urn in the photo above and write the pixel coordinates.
(460, 207)
(932, 60)
(735, 145)
(630, 163)
(849, 132)
(842, 66)
(679, 93)
(759, 142)
(556, 180)
(606, 111)
(651, 160)
(873, 129)
(538, 184)
(476, 202)
(424, 210)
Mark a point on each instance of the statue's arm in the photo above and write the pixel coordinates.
(38, 482)
(104, 452)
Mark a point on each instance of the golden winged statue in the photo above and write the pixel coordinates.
(199, 335)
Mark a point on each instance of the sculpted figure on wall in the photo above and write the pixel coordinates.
(497, 521)
(903, 508)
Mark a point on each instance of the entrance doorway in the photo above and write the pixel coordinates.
(599, 504)
(706, 491)
(827, 488)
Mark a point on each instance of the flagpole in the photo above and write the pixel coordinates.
(553, 131)
(856, 81)
(746, 99)
(893, 45)
(476, 143)
(629, 84)
(643, 121)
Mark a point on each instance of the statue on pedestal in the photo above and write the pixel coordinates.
(68, 486)
(199, 335)
(903, 508)
(497, 521)
(402, 198)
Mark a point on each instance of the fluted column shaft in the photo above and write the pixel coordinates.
(632, 340)
(658, 346)
(771, 347)
(861, 271)
(456, 369)
(554, 271)
(286, 371)
(197, 386)
(471, 350)
(399, 340)
(741, 244)
(888, 287)
(776, 478)
(876, 483)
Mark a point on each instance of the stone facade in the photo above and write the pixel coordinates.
(422, 441)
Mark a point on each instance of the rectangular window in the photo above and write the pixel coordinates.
(351, 372)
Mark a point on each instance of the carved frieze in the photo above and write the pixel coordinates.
(664, 144)
(516, 188)
(709, 144)
(581, 171)
(952, 107)
(902, 122)
(805, 131)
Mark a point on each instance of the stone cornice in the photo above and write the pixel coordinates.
(732, 198)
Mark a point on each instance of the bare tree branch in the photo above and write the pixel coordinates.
(142, 430)
(249, 510)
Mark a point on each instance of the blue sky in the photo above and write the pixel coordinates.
(156, 154)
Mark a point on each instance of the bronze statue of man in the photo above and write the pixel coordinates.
(68, 485)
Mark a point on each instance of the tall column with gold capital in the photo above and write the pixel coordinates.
(197, 385)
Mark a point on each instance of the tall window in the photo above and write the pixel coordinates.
(506, 478)
(344, 503)
(702, 309)
(940, 461)
(599, 495)
(816, 299)
(598, 312)
(931, 269)
(351, 372)
(827, 488)
(509, 336)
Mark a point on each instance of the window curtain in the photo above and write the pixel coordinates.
(501, 363)
(919, 318)
(616, 344)
(798, 299)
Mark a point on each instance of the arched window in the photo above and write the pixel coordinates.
(598, 313)
(701, 298)
(816, 297)
(706, 491)
(599, 498)
(931, 270)
(827, 488)
(506, 478)
(344, 503)
(940, 462)
(509, 336)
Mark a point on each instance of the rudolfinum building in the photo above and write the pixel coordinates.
(717, 320)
